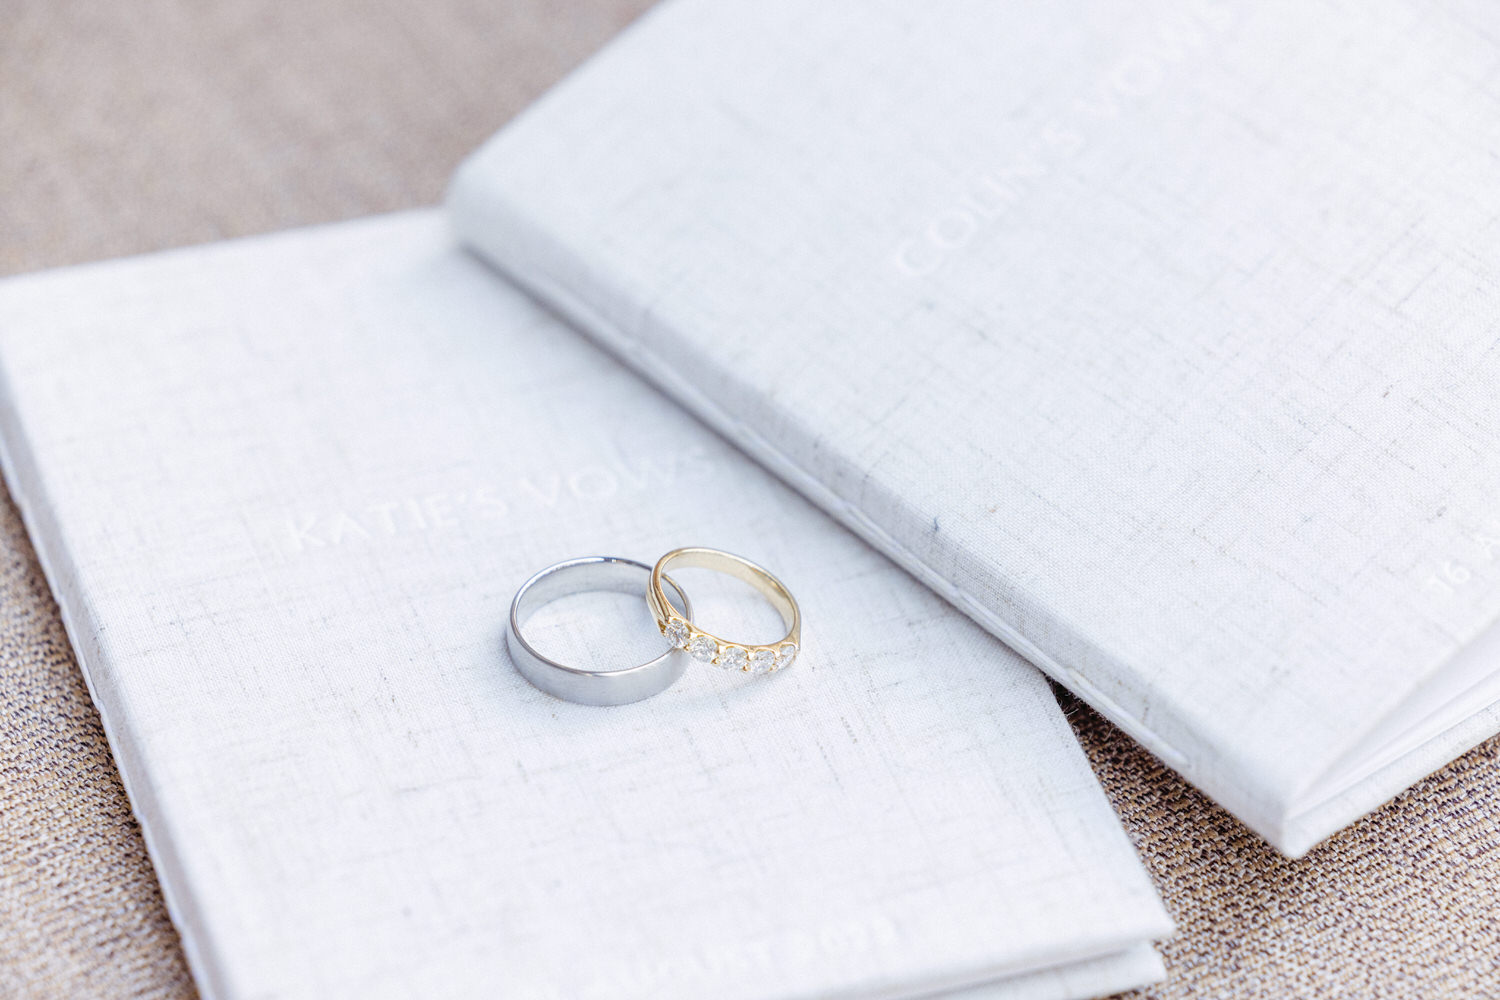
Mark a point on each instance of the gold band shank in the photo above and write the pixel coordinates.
(742, 569)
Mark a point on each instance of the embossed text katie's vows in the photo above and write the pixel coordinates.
(387, 517)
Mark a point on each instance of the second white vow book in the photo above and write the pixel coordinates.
(1160, 338)
(284, 490)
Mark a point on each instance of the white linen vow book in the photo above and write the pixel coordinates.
(284, 490)
(1161, 340)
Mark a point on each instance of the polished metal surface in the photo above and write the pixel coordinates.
(590, 687)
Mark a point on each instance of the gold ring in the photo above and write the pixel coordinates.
(706, 648)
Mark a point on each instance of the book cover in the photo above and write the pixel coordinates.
(1160, 340)
(284, 490)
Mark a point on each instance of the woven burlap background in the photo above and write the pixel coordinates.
(158, 123)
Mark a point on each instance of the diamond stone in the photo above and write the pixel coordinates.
(786, 654)
(733, 658)
(762, 661)
(676, 632)
(703, 649)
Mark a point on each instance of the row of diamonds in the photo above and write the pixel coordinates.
(706, 649)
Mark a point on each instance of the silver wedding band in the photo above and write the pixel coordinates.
(590, 687)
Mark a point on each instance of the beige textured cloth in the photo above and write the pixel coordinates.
(131, 127)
